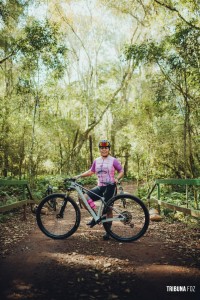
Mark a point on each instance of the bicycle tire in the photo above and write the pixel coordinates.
(54, 224)
(136, 220)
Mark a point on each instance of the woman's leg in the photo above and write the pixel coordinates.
(94, 197)
(109, 193)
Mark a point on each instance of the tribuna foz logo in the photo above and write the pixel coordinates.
(181, 288)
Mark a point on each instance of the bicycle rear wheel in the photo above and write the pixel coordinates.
(58, 216)
(130, 218)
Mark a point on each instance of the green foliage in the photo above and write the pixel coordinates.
(170, 107)
(144, 53)
(142, 192)
(4, 218)
(40, 36)
(44, 41)
(59, 88)
(11, 194)
(11, 10)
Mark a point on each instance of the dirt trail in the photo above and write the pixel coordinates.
(84, 266)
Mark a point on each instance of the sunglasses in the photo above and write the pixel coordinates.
(106, 147)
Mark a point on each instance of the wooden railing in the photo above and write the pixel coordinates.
(25, 191)
(182, 182)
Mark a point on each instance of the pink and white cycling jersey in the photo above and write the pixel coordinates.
(105, 169)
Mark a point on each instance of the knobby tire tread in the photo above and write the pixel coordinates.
(42, 228)
(146, 214)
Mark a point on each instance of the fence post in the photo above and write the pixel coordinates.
(149, 194)
(188, 206)
(23, 184)
(186, 192)
(196, 196)
(158, 185)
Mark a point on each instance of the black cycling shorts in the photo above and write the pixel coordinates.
(107, 192)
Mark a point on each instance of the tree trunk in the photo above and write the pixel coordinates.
(126, 163)
(21, 153)
(61, 158)
(90, 146)
(31, 161)
(113, 132)
(5, 124)
(84, 136)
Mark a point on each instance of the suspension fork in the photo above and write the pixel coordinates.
(64, 204)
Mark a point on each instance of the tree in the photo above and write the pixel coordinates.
(177, 58)
(66, 83)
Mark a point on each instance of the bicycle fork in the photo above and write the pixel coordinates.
(61, 213)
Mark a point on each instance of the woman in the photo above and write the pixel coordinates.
(104, 167)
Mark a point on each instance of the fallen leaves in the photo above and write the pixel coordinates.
(14, 230)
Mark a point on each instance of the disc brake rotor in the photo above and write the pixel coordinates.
(127, 217)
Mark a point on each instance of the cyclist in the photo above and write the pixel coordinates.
(104, 167)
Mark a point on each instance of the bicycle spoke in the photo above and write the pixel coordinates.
(58, 218)
(129, 222)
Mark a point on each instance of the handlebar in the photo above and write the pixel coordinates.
(69, 180)
(106, 183)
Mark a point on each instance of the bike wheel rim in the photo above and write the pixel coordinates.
(135, 223)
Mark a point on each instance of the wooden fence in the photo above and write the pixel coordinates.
(25, 191)
(182, 182)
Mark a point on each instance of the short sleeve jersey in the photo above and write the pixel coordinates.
(105, 169)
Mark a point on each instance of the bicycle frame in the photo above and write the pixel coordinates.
(97, 216)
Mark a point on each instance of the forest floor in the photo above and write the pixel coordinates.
(84, 266)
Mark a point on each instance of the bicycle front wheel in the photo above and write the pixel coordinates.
(130, 218)
(58, 216)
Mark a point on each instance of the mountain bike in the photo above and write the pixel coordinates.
(129, 222)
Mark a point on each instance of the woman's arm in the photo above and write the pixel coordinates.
(85, 174)
(119, 176)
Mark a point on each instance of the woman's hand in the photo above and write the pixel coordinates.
(116, 180)
(77, 177)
